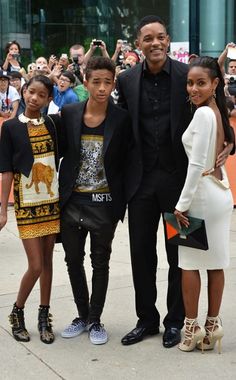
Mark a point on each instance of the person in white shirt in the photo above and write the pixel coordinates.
(9, 97)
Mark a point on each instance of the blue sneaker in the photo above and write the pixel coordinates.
(76, 328)
(97, 333)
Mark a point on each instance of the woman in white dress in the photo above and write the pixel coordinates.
(205, 195)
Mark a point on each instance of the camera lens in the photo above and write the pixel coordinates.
(16, 56)
(75, 58)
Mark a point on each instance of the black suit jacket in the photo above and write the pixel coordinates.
(116, 139)
(129, 88)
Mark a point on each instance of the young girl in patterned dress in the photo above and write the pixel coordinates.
(29, 159)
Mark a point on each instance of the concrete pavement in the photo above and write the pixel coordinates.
(77, 358)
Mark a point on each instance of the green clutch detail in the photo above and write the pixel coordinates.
(194, 223)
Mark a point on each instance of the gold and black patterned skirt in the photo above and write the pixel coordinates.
(36, 198)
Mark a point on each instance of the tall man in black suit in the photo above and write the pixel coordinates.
(155, 94)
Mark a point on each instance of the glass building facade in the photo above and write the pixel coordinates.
(51, 27)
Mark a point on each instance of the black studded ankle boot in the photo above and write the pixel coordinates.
(44, 325)
(17, 321)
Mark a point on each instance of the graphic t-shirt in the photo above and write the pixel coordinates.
(91, 182)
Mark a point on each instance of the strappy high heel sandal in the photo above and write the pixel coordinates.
(214, 333)
(192, 335)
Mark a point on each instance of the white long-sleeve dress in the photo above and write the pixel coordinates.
(204, 196)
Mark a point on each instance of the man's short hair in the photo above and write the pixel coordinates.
(77, 47)
(99, 63)
(149, 20)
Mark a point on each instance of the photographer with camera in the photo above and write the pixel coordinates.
(77, 66)
(122, 47)
(12, 61)
(117, 52)
(230, 74)
(78, 51)
(230, 80)
(80, 60)
(223, 56)
(42, 67)
(131, 59)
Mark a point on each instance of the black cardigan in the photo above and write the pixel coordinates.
(15, 149)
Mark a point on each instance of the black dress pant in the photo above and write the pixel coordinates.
(158, 193)
(96, 220)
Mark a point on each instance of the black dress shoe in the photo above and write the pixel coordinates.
(137, 334)
(171, 337)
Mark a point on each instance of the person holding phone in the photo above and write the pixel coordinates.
(93, 46)
(12, 61)
(64, 61)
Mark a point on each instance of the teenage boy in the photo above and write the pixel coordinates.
(91, 182)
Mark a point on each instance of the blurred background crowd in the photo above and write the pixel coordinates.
(66, 70)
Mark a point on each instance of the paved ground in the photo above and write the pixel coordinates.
(77, 358)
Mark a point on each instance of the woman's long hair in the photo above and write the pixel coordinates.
(212, 65)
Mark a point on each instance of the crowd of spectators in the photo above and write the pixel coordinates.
(67, 70)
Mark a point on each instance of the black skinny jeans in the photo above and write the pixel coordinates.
(96, 220)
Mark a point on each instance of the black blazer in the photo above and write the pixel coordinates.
(15, 149)
(116, 139)
(129, 88)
